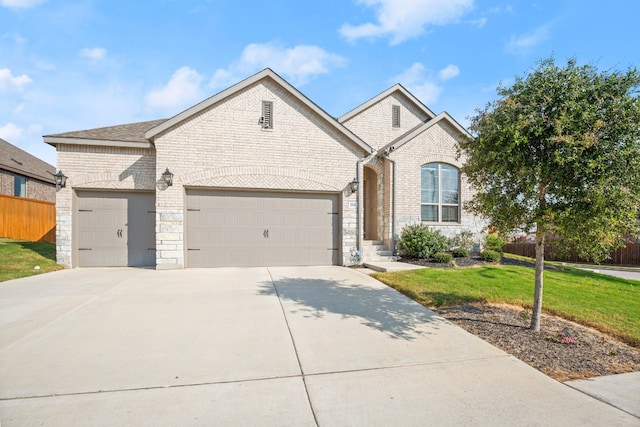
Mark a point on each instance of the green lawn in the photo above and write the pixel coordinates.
(19, 258)
(609, 304)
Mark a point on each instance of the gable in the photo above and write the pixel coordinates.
(387, 116)
(280, 89)
(443, 123)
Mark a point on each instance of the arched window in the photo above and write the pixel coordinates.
(440, 193)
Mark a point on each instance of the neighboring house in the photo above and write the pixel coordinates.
(261, 177)
(24, 175)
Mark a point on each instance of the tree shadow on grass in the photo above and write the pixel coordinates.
(45, 250)
(382, 309)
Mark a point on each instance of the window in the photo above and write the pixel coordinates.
(440, 190)
(19, 186)
(395, 116)
(267, 115)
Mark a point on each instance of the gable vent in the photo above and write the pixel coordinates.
(395, 116)
(267, 115)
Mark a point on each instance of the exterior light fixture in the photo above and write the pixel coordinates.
(61, 179)
(167, 177)
(354, 185)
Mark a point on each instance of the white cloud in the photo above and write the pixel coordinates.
(299, 64)
(10, 132)
(10, 82)
(95, 53)
(421, 82)
(182, 90)
(449, 72)
(405, 19)
(20, 4)
(527, 41)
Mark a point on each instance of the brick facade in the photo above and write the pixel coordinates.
(221, 144)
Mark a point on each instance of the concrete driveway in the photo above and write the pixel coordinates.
(325, 346)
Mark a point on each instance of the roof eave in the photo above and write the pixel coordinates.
(55, 140)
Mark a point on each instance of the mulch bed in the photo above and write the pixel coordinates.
(562, 349)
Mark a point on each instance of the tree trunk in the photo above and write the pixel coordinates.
(537, 295)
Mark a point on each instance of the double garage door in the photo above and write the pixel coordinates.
(115, 229)
(242, 228)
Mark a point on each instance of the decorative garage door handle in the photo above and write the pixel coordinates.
(119, 233)
(265, 234)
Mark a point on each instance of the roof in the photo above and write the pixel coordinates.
(400, 141)
(18, 161)
(128, 135)
(267, 73)
(395, 88)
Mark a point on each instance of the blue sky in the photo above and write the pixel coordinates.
(71, 65)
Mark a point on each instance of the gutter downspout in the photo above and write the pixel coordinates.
(393, 205)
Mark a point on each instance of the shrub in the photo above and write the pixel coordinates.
(463, 240)
(490, 256)
(494, 243)
(459, 252)
(442, 257)
(418, 241)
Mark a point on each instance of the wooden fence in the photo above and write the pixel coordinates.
(629, 255)
(27, 219)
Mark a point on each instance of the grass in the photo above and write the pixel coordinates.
(609, 304)
(19, 258)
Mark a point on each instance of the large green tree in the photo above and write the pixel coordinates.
(558, 153)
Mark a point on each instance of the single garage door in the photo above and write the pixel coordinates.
(115, 229)
(237, 228)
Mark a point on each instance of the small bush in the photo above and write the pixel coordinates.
(460, 253)
(490, 256)
(463, 240)
(418, 241)
(494, 243)
(442, 257)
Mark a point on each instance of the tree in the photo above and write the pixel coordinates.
(558, 153)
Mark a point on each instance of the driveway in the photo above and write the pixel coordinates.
(301, 346)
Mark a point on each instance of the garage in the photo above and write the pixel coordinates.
(256, 228)
(115, 229)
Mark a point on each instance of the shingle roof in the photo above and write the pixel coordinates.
(132, 132)
(19, 161)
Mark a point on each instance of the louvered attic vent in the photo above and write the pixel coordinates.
(267, 115)
(395, 116)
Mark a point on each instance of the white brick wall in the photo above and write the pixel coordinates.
(373, 125)
(225, 146)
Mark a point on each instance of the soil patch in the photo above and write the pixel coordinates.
(562, 350)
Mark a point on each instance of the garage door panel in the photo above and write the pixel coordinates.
(261, 229)
(115, 229)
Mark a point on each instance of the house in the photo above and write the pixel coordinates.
(24, 175)
(259, 175)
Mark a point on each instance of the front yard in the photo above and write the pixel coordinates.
(608, 304)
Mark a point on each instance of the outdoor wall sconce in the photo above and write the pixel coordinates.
(354, 185)
(61, 179)
(167, 177)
